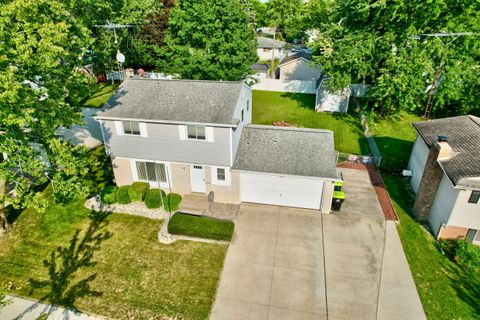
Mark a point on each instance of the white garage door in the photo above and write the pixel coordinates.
(281, 190)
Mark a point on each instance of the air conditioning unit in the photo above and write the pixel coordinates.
(407, 173)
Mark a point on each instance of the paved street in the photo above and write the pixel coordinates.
(287, 263)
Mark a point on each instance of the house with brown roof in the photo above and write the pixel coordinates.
(445, 166)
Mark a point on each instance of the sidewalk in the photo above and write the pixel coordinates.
(24, 309)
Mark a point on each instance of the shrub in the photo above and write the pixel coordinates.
(123, 195)
(200, 227)
(172, 200)
(465, 254)
(152, 198)
(141, 187)
(109, 195)
(135, 195)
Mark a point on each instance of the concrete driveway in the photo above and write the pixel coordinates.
(287, 263)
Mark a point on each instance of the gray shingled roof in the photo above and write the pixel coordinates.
(259, 67)
(285, 150)
(463, 134)
(264, 42)
(295, 56)
(174, 100)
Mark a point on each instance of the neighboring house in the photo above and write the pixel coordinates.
(261, 70)
(298, 66)
(265, 47)
(445, 166)
(196, 137)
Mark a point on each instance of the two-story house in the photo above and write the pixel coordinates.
(188, 136)
(445, 166)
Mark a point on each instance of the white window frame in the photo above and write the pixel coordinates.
(228, 176)
(196, 133)
(153, 184)
(120, 129)
(131, 134)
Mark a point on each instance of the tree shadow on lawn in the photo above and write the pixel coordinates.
(304, 100)
(65, 262)
(467, 286)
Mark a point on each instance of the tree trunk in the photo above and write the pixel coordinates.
(3, 192)
(4, 225)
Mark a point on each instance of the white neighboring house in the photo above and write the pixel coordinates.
(445, 170)
(266, 45)
(261, 70)
(191, 136)
(298, 66)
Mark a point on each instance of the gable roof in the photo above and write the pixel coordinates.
(193, 101)
(286, 150)
(295, 56)
(463, 134)
(264, 42)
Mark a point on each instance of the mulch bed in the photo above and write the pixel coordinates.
(380, 189)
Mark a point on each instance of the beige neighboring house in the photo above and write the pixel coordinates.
(298, 66)
(445, 167)
(191, 136)
(266, 45)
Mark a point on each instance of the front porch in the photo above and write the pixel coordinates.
(204, 205)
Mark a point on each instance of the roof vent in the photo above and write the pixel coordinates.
(441, 138)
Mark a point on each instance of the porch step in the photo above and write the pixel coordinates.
(194, 203)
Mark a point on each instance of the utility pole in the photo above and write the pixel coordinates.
(273, 53)
(432, 89)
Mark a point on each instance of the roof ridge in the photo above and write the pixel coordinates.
(298, 129)
(185, 80)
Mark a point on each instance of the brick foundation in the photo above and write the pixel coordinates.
(451, 232)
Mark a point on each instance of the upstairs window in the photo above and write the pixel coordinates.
(474, 197)
(242, 115)
(196, 132)
(130, 127)
(248, 105)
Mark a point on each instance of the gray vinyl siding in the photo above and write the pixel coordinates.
(245, 95)
(163, 144)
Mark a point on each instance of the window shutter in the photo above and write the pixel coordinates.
(119, 128)
(209, 134)
(143, 129)
(182, 131)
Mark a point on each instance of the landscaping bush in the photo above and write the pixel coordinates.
(123, 195)
(152, 198)
(109, 195)
(465, 254)
(200, 227)
(141, 187)
(172, 200)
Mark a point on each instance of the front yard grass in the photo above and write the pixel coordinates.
(108, 264)
(200, 227)
(298, 109)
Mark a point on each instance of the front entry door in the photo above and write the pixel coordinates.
(197, 177)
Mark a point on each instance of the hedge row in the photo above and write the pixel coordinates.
(138, 192)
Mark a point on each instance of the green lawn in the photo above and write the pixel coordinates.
(394, 138)
(101, 96)
(201, 227)
(446, 291)
(107, 264)
(298, 109)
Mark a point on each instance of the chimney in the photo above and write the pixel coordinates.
(445, 151)
(431, 178)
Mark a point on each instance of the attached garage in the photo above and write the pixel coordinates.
(281, 190)
(293, 167)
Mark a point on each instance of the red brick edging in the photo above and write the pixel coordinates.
(380, 189)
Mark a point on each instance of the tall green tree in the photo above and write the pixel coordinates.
(41, 46)
(286, 16)
(259, 8)
(382, 43)
(210, 40)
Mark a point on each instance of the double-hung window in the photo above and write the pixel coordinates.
(151, 171)
(196, 132)
(131, 127)
(221, 174)
(474, 197)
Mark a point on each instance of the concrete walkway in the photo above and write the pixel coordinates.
(24, 309)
